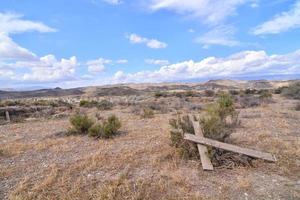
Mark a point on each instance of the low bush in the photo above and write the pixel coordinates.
(265, 94)
(189, 93)
(147, 113)
(88, 104)
(186, 149)
(102, 105)
(160, 94)
(209, 93)
(250, 91)
(221, 119)
(293, 91)
(248, 101)
(4, 103)
(80, 124)
(105, 105)
(107, 129)
(111, 126)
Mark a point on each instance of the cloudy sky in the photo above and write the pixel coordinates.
(68, 43)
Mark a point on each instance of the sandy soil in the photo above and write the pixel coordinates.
(38, 162)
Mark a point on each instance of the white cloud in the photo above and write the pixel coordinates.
(97, 66)
(191, 30)
(20, 64)
(48, 69)
(12, 23)
(6, 73)
(281, 23)
(122, 61)
(246, 63)
(208, 11)
(9, 50)
(221, 35)
(113, 2)
(157, 62)
(151, 43)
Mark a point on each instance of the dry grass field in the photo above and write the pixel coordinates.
(38, 161)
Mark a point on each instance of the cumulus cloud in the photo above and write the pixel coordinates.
(209, 12)
(246, 63)
(13, 23)
(97, 66)
(48, 69)
(157, 62)
(151, 43)
(20, 64)
(221, 35)
(9, 50)
(281, 22)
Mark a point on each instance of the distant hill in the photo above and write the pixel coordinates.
(138, 89)
(40, 93)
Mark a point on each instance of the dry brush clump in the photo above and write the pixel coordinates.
(292, 91)
(219, 123)
(102, 105)
(147, 113)
(221, 118)
(181, 125)
(106, 129)
(80, 124)
(253, 98)
(83, 125)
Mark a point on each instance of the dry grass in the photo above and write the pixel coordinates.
(139, 163)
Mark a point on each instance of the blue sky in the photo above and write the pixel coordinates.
(94, 42)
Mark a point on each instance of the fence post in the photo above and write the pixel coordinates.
(7, 116)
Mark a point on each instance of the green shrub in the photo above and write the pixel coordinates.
(4, 103)
(189, 93)
(147, 113)
(111, 126)
(159, 94)
(250, 91)
(185, 148)
(106, 129)
(88, 104)
(95, 130)
(104, 105)
(213, 127)
(265, 94)
(80, 124)
(293, 91)
(221, 118)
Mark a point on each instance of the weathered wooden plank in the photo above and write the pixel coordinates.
(7, 116)
(205, 160)
(230, 147)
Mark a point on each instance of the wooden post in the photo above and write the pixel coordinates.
(230, 147)
(7, 116)
(205, 160)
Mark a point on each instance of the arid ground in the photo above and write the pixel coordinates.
(38, 161)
